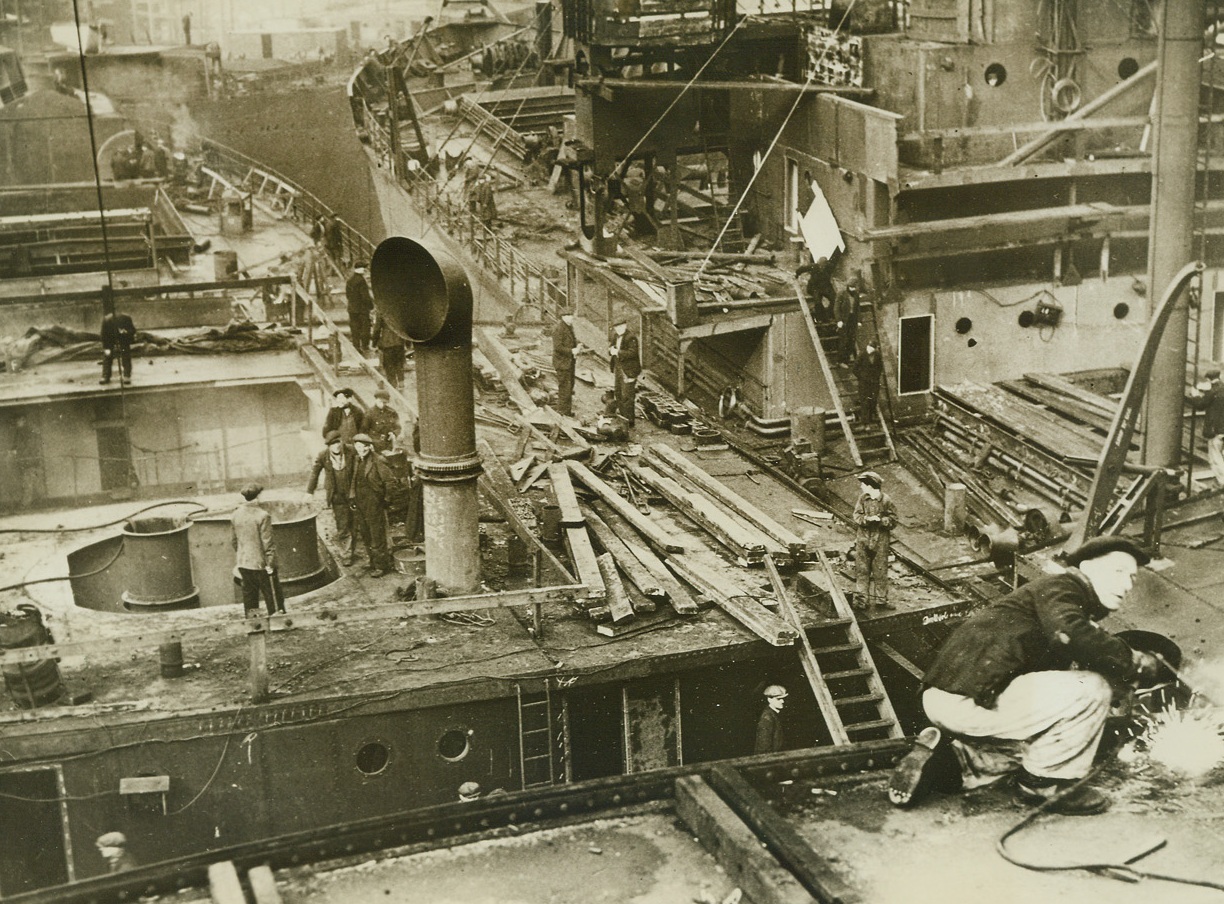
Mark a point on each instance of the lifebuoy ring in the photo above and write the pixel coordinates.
(728, 402)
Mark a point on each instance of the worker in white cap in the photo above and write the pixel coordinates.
(874, 517)
(113, 848)
(769, 726)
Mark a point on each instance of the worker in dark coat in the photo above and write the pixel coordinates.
(769, 737)
(256, 553)
(874, 518)
(368, 500)
(1025, 684)
(360, 306)
(118, 331)
(868, 370)
(1211, 401)
(822, 297)
(391, 351)
(565, 351)
(382, 422)
(336, 463)
(626, 356)
(345, 416)
(847, 313)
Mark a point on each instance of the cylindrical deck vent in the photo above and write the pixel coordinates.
(157, 560)
(30, 684)
(424, 295)
(296, 534)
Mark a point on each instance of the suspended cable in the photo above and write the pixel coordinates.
(777, 136)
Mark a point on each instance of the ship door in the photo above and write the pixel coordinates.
(652, 724)
(916, 354)
(34, 853)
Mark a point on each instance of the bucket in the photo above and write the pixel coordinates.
(550, 523)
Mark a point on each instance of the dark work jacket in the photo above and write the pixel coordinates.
(117, 330)
(370, 483)
(335, 420)
(769, 732)
(868, 369)
(380, 423)
(336, 483)
(563, 344)
(357, 293)
(629, 358)
(1212, 402)
(1046, 625)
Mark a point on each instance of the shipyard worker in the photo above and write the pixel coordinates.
(610, 425)
(874, 518)
(187, 29)
(360, 306)
(345, 416)
(1211, 402)
(113, 848)
(256, 551)
(626, 367)
(847, 313)
(382, 422)
(565, 351)
(820, 292)
(337, 463)
(868, 369)
(769, 727)
(485, 200)
(118, 331)
(368, 501)
(391, 351)
(26, 455)
(1024, 685)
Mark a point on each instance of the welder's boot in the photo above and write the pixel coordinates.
(930, 765)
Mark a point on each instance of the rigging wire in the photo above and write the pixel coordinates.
(782, 128)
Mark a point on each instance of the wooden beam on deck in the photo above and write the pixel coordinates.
(659, 537)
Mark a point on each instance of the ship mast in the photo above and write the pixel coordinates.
(1171, 242)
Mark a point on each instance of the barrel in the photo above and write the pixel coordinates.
(157, 560)
(170, 656)
(550, 523)
(30, 684)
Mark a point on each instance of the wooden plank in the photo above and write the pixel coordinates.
(748, 545)
(807, 658)
(827, 373)
(660, 538)
(1103, 406)
(1009, 218)
(224, 886)
(626, 561)
(617, 599)
(814, 872)
(677, 594)
(728, 497)
(734, 845)
(499, 356)
(586, 563)
(752, 615)
(563, 491)
(263, 885)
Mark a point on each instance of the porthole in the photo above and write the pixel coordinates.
(1121, 309)
(964, 325)
(373, 757)
(1127, 67)
(454, 745)
(996, 74)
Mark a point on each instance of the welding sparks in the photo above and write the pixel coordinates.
(1188, 741)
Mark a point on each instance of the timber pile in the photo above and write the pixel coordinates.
(726, 279)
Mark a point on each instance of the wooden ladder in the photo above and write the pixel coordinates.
(535, 720)
(828, 375)
(862, 708)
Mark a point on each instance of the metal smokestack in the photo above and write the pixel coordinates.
(424, 295)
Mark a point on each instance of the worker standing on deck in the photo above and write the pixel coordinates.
(337, 463)
(391, 351)
(118, 331)
(345, 416)
(769, 737)
(847, 313)
(1025, 685)
(360, 306)
(485, 200)
(368, 501)
(256, 549)
(874, 518)
(1211, 402)
(626, 356)
(382, 422)
(868, 370)
(565, 351)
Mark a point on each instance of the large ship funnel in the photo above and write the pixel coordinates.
(424, 295)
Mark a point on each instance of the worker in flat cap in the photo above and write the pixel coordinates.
(382, 422)
(256, 552)
(372, 481)
(565, 351)
(1023, 686)
(874, 518)
(337, 463)
(1208, 397)
(113, 848)
(769, 737)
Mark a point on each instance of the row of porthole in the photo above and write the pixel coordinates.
(374, 756)
(964, 324)
(996, 73)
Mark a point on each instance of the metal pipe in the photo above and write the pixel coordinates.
(1171, 230)
(424, 295)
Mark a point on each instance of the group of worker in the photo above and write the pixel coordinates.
(618, 414)
(368, 330)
